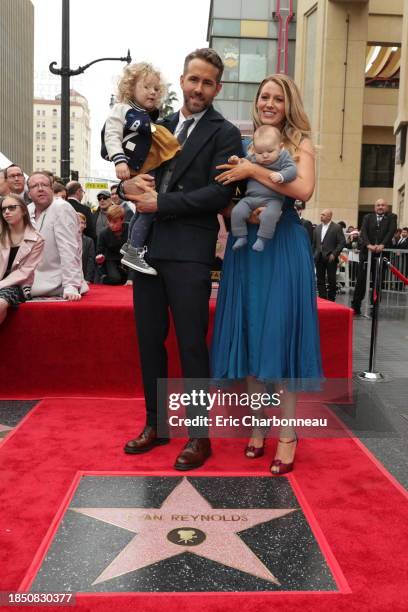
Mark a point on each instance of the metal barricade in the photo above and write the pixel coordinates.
(394, 293)
(347, 269)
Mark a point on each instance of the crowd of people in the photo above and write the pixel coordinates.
(175, 178)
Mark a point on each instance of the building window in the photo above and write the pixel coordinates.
(73, 114)
(54, 112)
(37, 135)
(42, 147)
(377, 165)
(38, 124)
(43, 124)
(38, 112)
(248, 59)
(54, 125)
(54, 136)
(43, 113)
(53, 148)
(37, 148)
(226, 27)
(43, 136)
(43, 159)
(54, 160)
(71, 137)
(37, 159)
(383, 66)
(254, 29)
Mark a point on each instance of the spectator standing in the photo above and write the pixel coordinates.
(99, 218)
(60, 270)
(16, 182)
(4, 188)
(128, 207)
(88, 251)
(377, 231)
(75, 194)
(328, 242)
(59, 190)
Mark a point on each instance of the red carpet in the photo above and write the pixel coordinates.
(89, 348)
(360, 512)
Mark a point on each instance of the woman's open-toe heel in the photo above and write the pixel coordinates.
(283, 468)
(253, 452)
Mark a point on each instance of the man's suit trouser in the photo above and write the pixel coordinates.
(185, 288)
(323, 266)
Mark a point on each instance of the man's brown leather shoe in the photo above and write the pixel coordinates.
(194, 454)
(144, 442)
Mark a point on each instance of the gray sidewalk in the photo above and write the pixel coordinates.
(380, 417)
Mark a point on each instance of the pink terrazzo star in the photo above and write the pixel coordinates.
(193, 525)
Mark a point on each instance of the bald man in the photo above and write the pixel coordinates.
(328, 242)
(377, 231)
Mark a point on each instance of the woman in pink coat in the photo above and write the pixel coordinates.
(21, 249)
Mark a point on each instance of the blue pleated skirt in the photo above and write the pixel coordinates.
(266, 321)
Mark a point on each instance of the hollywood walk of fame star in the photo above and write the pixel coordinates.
(186, 521)
(4, 430)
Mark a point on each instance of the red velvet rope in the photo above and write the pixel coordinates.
(396, 272)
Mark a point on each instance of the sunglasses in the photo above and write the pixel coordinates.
(10, 207)
(103, 198)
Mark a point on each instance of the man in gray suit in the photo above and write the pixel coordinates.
(328, 242)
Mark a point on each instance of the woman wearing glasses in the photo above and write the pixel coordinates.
(21, 249)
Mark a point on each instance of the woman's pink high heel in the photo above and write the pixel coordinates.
(283, 468)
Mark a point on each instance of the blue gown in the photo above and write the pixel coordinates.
(266, 317)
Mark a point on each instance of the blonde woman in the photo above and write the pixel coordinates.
(20, 252)
(266, 327)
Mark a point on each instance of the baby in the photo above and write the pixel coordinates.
(267, 151)
(136, 146)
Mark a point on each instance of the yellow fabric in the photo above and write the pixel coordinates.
(164, 147)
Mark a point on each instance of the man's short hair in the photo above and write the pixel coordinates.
(208, 55)
(41, 173)
(58, 187)
(405, 229)
(115, 212)
(72, 187)
(11, 166)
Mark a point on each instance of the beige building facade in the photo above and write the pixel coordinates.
(349, 66)
(47, 135)
(17, 81)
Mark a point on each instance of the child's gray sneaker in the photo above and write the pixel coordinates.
(125, 247)
(134, 258)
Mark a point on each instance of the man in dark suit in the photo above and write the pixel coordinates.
(328, 242)
(377, 231)
(181, 248)
(402, 243)
(75, 193)
(300, 206)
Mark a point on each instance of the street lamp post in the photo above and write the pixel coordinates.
(66, 73)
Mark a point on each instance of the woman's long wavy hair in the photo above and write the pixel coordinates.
(297, 124)
(132, 74)
(4, 226)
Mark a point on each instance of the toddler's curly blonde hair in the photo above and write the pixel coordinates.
(133, 73)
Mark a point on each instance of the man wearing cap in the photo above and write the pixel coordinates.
(99, 218)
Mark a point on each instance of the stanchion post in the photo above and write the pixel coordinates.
(368, 281)
(371, 375)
